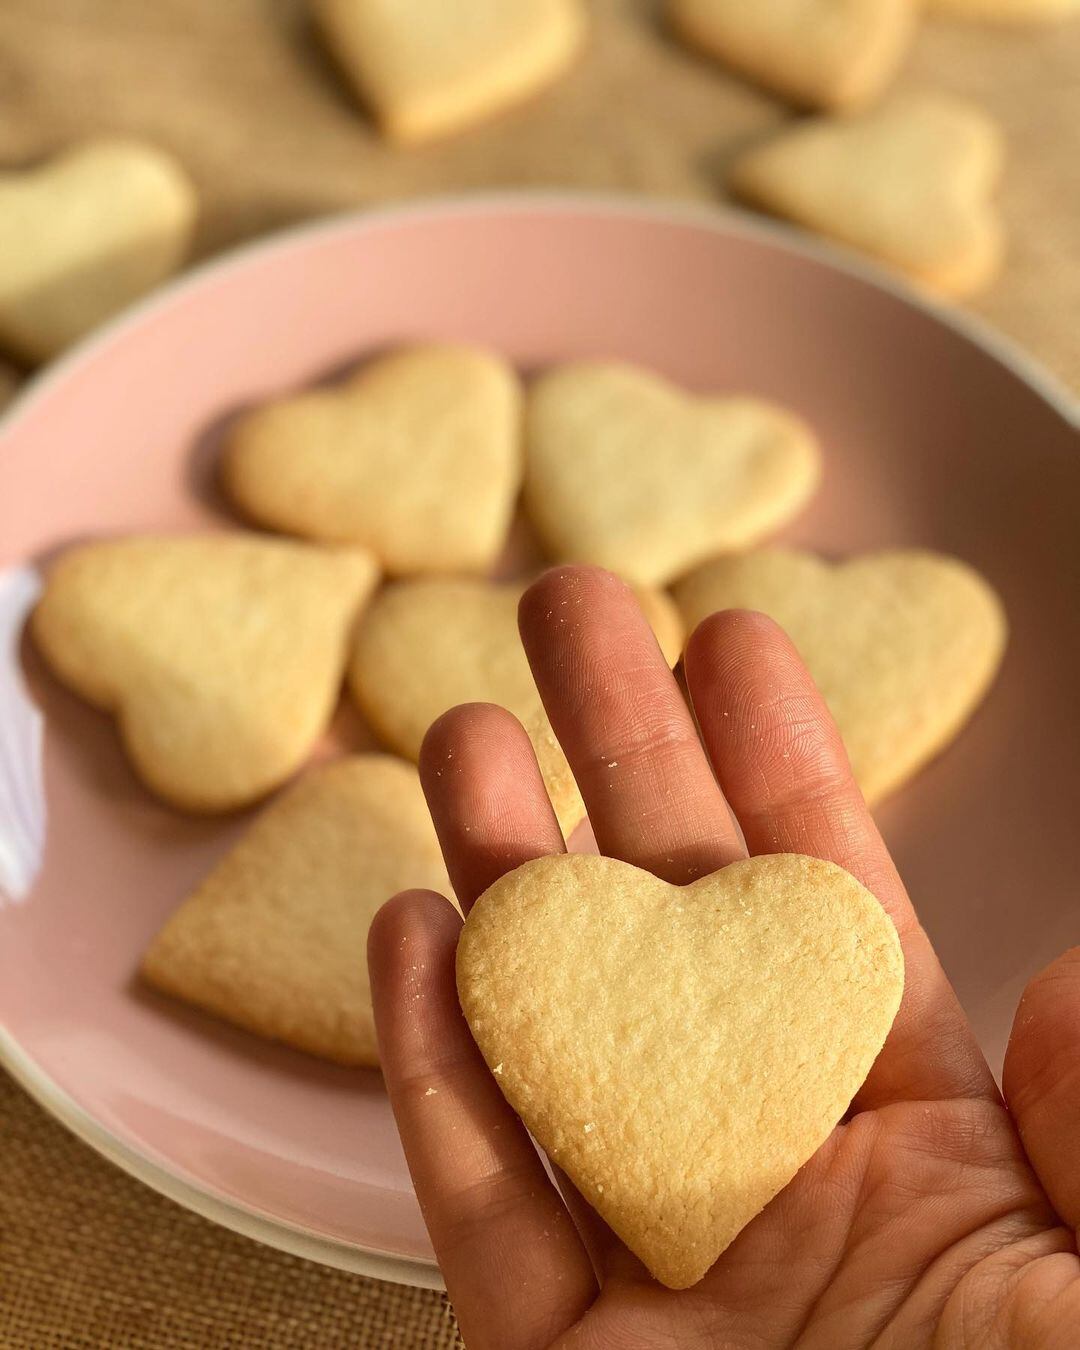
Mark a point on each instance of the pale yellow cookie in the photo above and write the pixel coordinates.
(275, 938)
(221, 656)
(903, 645)
(679, 1052)
(417, 457)
(85, 234)
(818, 53)
(1007, 11)
(426, 646)
(427, 70)
(625, 470)
(909, 183)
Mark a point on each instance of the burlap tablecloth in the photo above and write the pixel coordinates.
(242, 92)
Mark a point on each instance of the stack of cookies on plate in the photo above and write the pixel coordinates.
(222, 656)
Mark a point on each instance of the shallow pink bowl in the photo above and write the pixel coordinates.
(936, 434)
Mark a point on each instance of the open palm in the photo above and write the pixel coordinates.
(935, 1215)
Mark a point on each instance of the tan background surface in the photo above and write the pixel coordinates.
(242, 92)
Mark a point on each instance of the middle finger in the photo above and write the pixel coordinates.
(626, 730)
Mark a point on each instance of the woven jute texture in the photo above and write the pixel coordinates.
(243, 93)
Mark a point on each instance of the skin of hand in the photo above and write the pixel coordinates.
(937, 1214)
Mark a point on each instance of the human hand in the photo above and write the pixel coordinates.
(935, 1215)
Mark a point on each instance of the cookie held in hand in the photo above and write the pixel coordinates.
(426, 646)
(430, 69)
(417, 458)
(909, 183)
(817, 53)
(85, 234)
(221, 656)
(626, 471)
(903, 645)
(679, 1052)
(274, 938)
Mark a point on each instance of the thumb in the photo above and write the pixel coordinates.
(1042, 1080)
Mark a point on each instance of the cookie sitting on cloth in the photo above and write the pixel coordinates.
(430, 69)
(85, 234)
(909, 183)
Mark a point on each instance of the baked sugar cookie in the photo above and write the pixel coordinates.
(908, 183)
(627, 471)
(426, 646)
(221, 656)
(275, 937)
(417, 458)
(85, 234)
(427, 70)
(679, 1051)
(818, 53)
(903, 645)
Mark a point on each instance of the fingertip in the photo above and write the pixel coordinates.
(410, 924)
(1045, 1030)
(735, 636)
(571, 586)
(459, 730)
(486, 795)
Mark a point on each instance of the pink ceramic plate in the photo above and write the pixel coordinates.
(936, 434)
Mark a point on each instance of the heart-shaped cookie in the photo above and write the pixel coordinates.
(274, 938)
(426, 646)
(427, 70)
(83, 235)
(909, 183)
(624, 470)
(220, 655)
(417, 458)
(679, 1051)
(903, 645)
(818, 53)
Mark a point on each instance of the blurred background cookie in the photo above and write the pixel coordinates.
(84, 234)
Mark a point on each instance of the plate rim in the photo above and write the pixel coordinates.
(720, 218)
